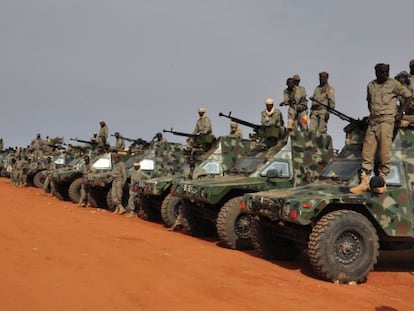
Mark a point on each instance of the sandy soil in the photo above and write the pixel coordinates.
(57, 256)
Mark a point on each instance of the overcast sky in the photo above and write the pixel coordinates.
(145, 65)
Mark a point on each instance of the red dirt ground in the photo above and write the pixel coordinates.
(57, 256)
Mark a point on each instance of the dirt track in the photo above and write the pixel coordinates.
(57, 256)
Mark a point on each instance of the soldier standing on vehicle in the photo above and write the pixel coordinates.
(119, 177)
(202, 131)
(50, 170)
(159, 138)
(382, 96)
(136, 175)
(1, 145)
(235, 132)
(295, 98)
(83, 200)
(271, 123)
(102, 135)
(119, 142)
(319, 115)
(37, 146)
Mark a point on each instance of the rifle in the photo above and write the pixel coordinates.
(179, 133)
(56, 146)
(255, 127)
(352, 122)
(92, 143)
(136, 141)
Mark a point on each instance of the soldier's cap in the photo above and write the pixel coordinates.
(411, 62)
(324, 73)
(382, 67)
(202, 109)
(269, 101)
(296, 77)
(136, 164)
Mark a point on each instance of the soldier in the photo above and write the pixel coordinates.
(50, 170)
(325, 94)
(1, 145)
(271, 122)
(102, 135)
(119, 177)
(295, 98)
(235, 132)
(136, 175)
(159, 138)
(37, 146)
(119, 142)
(203, 131)
(83, 200)
(382, 96)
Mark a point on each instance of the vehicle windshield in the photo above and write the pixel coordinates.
(103, 162)
(281, 167)
(60, 160)
(210, 167)
(342, 169)
(247, 165)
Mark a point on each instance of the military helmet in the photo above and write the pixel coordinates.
(269, 101)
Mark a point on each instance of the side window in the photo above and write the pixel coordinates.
(282, 169)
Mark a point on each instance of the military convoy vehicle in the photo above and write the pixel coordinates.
(157, 159)
(155, 192)
(342, 232)
(212, 205)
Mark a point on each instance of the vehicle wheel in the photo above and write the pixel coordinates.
(38, 179)
(194, 224)
(170, 208)
(74, 189)
(270, 245)
(147, 211)
(343, 247)
(61, 192)
(233, 226)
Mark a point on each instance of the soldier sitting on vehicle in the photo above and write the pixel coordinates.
(271, 124)
(203, 137)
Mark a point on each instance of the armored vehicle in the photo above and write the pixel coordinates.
(155, 192)
(341, 231)
(157, 159)
(212, 205)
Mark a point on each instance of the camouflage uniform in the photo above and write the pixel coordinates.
(1, 145)
(119, 143)
(319, 114)
(235, 131)
(272, 122)
(298, 106)
(50, 170)
(84, 187)
(203, 130)
(382, 104)
(37, 146)
(136, 176)
(102, 135)
(119, 176)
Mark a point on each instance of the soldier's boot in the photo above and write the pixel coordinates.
(116, 210)
(363, 186)
(121, 209)
(379, 186)
(131, 214)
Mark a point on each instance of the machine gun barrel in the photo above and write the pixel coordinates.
(255, 127)
(83, 141)
(179, 133)
(339, 114)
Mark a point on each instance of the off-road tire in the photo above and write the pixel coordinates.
(39, 179)
(270, 245)
(233, 226)
(147, 211)
(170, 208)
(343, 247)
(194, 225)
(61, 192)
(74, 189)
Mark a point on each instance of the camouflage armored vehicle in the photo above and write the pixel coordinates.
(159, 158)
(212, 204)
(342, 232)
(155, 192)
